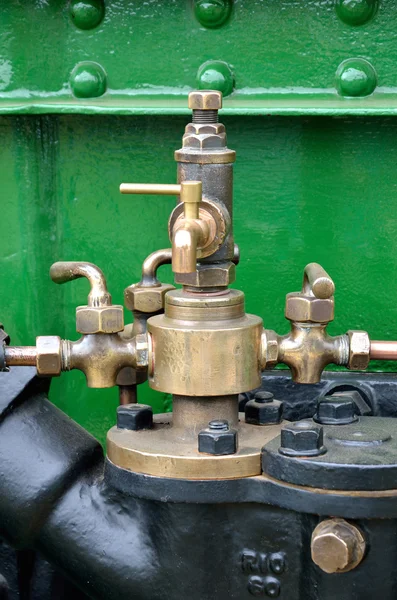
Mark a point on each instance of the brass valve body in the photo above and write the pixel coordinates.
(204, 345)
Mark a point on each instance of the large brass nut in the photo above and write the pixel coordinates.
(205, 100)
(359, 350)
(106, 319)
(303, 309)
(209, 276)
(49, 356)
(206, 141)
(269, 349)
(146, 299)
(141, 350)
(337, 546)
(200, 128)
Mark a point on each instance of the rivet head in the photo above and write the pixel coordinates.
(87, 14)
(88, 80)
(215, 75)
(212, 13)
(356, 12)
(356, 77)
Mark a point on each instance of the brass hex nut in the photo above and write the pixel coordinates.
(204, 141)
(269, 349)
(205, 100)
(359, 350)
(337, 546)
(205, 128)
(208, 276)
(49, 356)
(301, 308)
(146, 299)
(141, 350)
(106, 319)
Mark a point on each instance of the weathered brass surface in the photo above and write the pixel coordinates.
(212, 349)
(205, 100)
(269, 349)
(106, 319)
(337, 546)
(167, 451)
(194, 413)
(315, 303)
(146, 299)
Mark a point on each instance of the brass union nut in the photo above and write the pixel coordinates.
(208, 276)
(141, 350)
(205, 100)
(106, 319)
(269, 349)
(359, 350)
(337, 546)
(204, 141)
(146, 299)
(49, 357)
(301, 308)
(202, 128)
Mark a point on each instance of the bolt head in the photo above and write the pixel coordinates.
(302, 308)
(205, 100)
(263, 410)
(208, 276)
(106, 319)
(141, 350)
(338, 410)
(359, 349)
(218, 442)
(269, 349)
(134, 417)
(337, 546)
(48, 357)
(302, 438)
(146, 299)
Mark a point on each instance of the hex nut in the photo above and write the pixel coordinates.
(206, 141)
(359, 350)
(134, 417)
(301, 308)
(141, 350)
(263, 409)
(302, 438)
(336, 410)
(205, 128)
(106, 319)
(49, 356)
(337, 546)
(146, 299)
(218, 439)
(205, 100)
(209, 276)
(269, 349)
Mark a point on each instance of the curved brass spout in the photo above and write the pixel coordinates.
(189, 235)
(61, 272)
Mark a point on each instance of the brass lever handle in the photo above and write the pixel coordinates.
(61, 272)
(189, 191)
(317, 282)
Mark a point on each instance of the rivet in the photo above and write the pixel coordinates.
(355, 77)
(87, 14)
(212, 13)
(356, 12)
(215, 75)
(88, 80)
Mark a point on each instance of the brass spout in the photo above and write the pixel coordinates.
(189, 235)
(61, 272)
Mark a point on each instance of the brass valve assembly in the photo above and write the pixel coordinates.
(196, 343)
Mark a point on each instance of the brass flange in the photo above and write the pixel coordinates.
(167, 451)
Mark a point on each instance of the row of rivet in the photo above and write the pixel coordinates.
(355, 77)
(87, 14)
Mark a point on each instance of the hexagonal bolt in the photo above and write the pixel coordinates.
(134, 417)
(359, 350)
(208, 276)
(337, 546)
(106, 319)
(263, 409)
(303, 438)
(336, 410)
(205, 105)
(218, 439)
(146, 299)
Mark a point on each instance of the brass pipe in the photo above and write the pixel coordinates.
(151, 264)
(383, 350)
(61, 272)
(20, 356)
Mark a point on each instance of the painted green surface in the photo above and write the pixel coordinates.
(284, 54)
(306, 189)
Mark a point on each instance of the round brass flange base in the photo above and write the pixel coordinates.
(167, 451)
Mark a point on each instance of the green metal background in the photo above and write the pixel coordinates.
(307, 187)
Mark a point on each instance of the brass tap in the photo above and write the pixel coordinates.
(192, 232)
(308, 348)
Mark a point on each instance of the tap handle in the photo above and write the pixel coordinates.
(190, 193)
(61, 272)
(317, 282)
